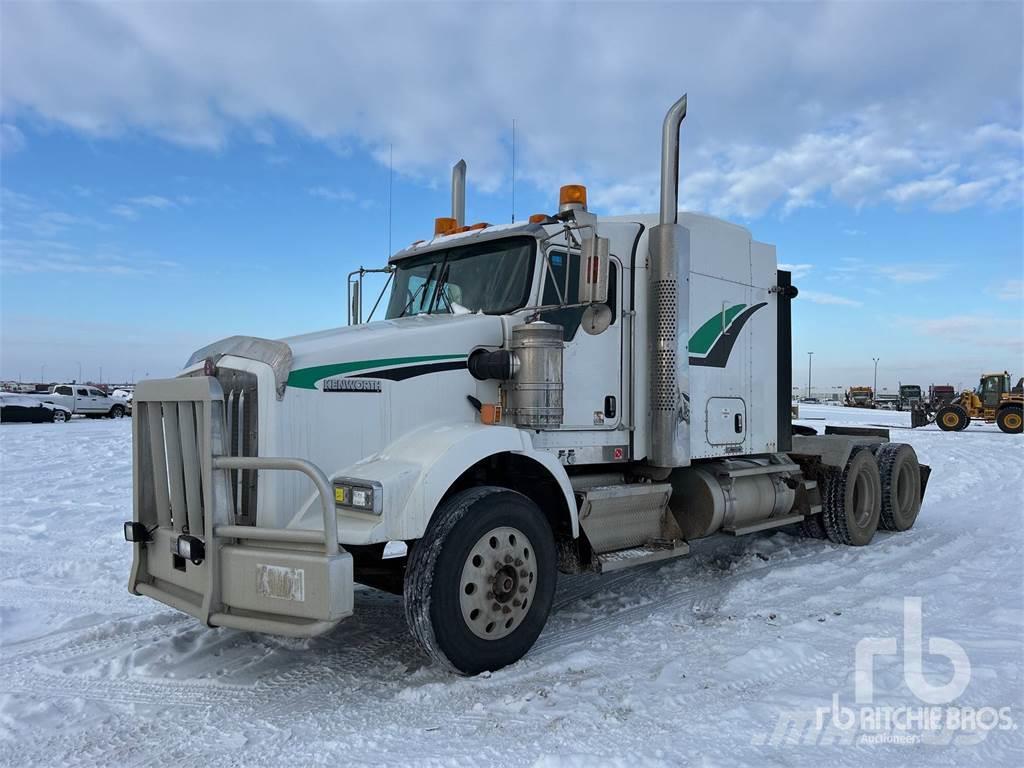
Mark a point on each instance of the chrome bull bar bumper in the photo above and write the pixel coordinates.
(275, 580)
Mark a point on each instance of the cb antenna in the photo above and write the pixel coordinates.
(513, 170)
(391, 176)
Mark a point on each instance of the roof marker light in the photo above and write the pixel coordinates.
(444, 225)
(572, 197)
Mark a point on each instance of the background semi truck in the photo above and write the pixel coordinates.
(562, 394)
(910, 397)
(860, 397)
(939, 395)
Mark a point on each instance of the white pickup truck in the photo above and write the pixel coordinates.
(87, 401)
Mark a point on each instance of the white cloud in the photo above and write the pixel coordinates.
(902, 273)
(790, 105)
(11, 139)
(129, 209)
(979, 329)
(798, 270)
(35, 256)
(334, 195)
(25, 214)
(124, 211)
(153, 201)
(1009, 290)
(820, 297)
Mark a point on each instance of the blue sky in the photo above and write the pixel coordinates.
(175, 174)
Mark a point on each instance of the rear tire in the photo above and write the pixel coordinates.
(813, 527)
(480, 583)
(853, 500)
(117, 412)
(1010, 420)
(900, 473)
(952, 418)
(59, 416)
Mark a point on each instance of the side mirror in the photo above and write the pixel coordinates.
(594, 270)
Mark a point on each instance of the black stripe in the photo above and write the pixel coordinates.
(784, 362)
(411, 371)
(719, 354)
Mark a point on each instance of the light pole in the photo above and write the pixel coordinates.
(79, 371)
(876, 359)
(42, 373)
(810, 357)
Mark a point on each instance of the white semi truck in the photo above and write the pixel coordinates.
(564, 394)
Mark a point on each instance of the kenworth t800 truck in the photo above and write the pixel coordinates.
(565, 394)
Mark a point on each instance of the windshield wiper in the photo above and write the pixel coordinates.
(423, 288)
(439, 291)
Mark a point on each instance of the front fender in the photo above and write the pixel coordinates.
(417, 470)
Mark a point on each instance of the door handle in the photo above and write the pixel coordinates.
(738, 423)
(609, 407)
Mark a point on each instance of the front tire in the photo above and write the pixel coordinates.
(853, 500)
(1010, 420)
(117, 412)
(480, 583)
(952, 418)
(59, 416)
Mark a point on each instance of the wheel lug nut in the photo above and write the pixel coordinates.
(523, 589)
(508, 558)
(496, 607)
(516, 602)
(490, 595)
(523, 573)
(519, 562)
(506, 609)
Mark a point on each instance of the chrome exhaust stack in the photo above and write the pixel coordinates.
(459, 193)
(668, 312)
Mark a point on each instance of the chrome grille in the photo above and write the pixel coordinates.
(241, 407)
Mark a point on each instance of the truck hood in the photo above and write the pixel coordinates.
(390, 346)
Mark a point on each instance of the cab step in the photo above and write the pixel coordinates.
(649, 553)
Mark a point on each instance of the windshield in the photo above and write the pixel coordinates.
(492, 277)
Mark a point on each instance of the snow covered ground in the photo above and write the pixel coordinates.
(696, 660)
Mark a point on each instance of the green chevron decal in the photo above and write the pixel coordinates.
(306, 378)
(707, 334)
(712, 343)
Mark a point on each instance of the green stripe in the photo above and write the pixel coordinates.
(306, 378)
(702, 341)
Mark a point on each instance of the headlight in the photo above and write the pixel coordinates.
(360, 496)
(189, 548)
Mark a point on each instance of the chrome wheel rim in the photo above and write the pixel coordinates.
(499, 581)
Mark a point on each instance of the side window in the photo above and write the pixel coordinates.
(97, 393)
(569, 318)
(63, 391)
(83, 392)
(558, 266)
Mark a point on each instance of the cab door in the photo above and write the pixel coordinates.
(100, 400)
(83, 400)
(992, 388)
(591, 362)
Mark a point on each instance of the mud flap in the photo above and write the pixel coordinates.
(926, 472)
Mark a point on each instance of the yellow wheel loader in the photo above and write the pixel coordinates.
(993, 401)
